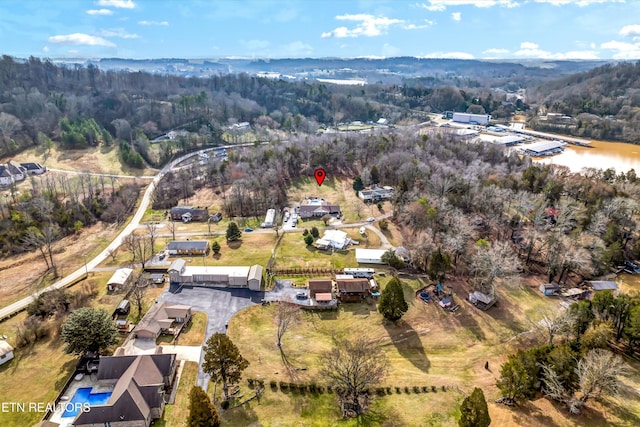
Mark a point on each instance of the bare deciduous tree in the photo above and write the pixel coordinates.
(352, 367)
(152, 228)
(598, 373)
(558, 324)
(491, 262)
(286, 314)
(172, 228)
(138, 291)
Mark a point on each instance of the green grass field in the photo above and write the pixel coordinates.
(176, 415)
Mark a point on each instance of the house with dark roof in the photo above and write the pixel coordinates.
(318, 210)
(353, 290)
(188, 247)
(375, 194)
(189, 213)
(139, 387)
(163, 318)
(320, 286)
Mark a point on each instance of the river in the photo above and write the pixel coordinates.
(602, 155)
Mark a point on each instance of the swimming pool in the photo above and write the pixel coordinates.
(84, 395)
(315, 202)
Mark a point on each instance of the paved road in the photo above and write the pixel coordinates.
(64, 282)
(220, 304)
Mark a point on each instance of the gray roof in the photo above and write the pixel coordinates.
(188, 245)
(255, 272)
(177, 265)
(603, 285)
(161, 316)
(179, 210)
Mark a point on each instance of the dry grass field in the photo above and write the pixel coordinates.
(428, 347)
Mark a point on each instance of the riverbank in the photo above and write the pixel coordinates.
(620, 156)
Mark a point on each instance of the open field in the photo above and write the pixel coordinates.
(176, 415)
(94, 159)
(429, 347)
(293, 252)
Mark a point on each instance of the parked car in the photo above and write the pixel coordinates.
(371, 219)
(248, 229)
(301, 295)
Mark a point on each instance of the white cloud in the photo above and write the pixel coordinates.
(297, 48)
(623, 50)
(441, 5)
(495, 51)
(120, 4)
(118, 32)
(532, 50)
(45, 49)
(103, 12)
(581, 3)
(630, 31)
(80, 39)
(368, 25)
(449, 55)
(427, 23)
(456, 16)
(150, 23)
(528, 45)
(592, 45)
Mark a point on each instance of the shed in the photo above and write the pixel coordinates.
(482, 301)
(255, 277)
(123, 308)
(548, 289)
(603, 285)
(157, 278)
(120, 279)
(6, 352)
(320, 286)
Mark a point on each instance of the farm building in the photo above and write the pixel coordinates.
(375, 194)
(544, 148)
(335, 239)
(6, 352)
(188, 247)
(269, 219)
(320, 286)
(474, 119)
(548, 289)
(369, 256)
(353, 290)
(231, 276)
(121, 279)
(189, 213)
(508, 141)
(163, 318)
(317, 208)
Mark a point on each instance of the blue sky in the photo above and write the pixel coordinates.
(549, 29)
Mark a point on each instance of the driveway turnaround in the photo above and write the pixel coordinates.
(220, 304)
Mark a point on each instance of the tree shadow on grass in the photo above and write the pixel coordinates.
(408, 343)
(372, 417)
(242, 415)
(467, 319)
(528, 414)
(235, 244)
(288, 365)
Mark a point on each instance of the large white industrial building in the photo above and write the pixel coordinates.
(229, 276)
(369, 256)
(474, 119)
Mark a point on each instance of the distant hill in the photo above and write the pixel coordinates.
(605, 102)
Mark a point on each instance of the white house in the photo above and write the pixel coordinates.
(6, 352)
(370, 256)
(335, 239)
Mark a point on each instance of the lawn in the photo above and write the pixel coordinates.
(293, 252)
(428, 347)
(176, 415)
(193, 334)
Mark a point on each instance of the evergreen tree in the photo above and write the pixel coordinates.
(390, 258)
(357, 184)
(308, 239)
(392, 303)
(518, 376)
(215, 247)
(233, 232)
(223, 361)
(202, 413)
(88, 329)
(474, 411)
(439, 264)
(314, 232)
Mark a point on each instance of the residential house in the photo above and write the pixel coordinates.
(353, 290)
(319, 287)
(189, 213)
(140, 387)
(188, 247)
(121, 279)
(163, 318)
(6, 352)
(603, 285)
(6, 178)
(317, 208)
(370, 256)
(336, 239)
(229, 276)
(10, 173)
(375, 194)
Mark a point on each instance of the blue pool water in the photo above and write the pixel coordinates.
(315, 202)
(83, 395)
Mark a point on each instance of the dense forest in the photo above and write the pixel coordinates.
(604, 102)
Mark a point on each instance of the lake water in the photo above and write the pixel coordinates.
(602, 155)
